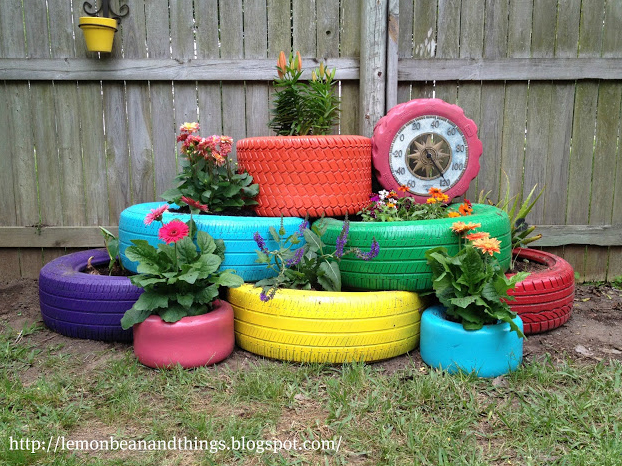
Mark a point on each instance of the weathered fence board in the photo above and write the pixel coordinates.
(582, 153)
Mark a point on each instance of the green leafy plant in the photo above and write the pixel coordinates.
(388, 206)
(111, 242)
(208, 176)
(517, 210)
(309, 266)
(471, 284)
(179, 278)
(302, 108)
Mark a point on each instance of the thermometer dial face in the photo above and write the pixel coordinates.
(428, 152)
(423, 144)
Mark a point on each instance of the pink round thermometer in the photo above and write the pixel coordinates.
(423, 144)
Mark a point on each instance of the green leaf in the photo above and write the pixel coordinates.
(262, 257)
(207, 264)
(150, 300)
(186, 300)
(173, 313)
(188, 277)
(229, 279)
(133, 316)
(186, 251)
(143, 280)
(205, 242)
(313, 240)
(206, 295)
(220, 249)
(275, 235)
(464, 301)
(143, 253)
(331, 273)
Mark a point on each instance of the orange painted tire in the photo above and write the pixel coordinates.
(308, 175)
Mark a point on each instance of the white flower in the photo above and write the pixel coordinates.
(383, 194)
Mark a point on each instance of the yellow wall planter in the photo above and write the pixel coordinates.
(329, 327)
(98, 33)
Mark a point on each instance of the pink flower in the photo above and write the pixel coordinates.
(155, 214)
(226, 143)
(173, 231)
(189, 128)
(195, 204)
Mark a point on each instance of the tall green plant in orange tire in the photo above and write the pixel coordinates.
(305, 170)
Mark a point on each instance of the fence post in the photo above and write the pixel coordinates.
(373, 62)
(393, 34)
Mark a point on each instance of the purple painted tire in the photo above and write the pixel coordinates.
(81, 305)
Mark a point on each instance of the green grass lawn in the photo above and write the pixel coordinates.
(549, 412)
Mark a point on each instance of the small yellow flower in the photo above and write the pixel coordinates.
(453, 214)
(431, 200)
(390, 204)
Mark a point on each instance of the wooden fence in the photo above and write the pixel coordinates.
(84, 136)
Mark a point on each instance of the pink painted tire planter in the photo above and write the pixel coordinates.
(191, 342)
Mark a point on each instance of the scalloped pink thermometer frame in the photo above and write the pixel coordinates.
(389, 125)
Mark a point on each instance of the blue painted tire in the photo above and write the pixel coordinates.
(489, 352)
(237, 233)
(81, 305)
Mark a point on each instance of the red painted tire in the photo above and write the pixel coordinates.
(191, 342)
(308, 175)
(544, 299)
(398, 116)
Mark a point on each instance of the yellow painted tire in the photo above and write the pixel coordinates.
(330, 327)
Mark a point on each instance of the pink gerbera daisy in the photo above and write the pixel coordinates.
(155, 214)
(173, 231)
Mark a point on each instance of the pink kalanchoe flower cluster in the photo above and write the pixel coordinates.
(215, 148)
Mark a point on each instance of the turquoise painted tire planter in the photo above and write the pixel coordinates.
(237, 233)
(489, 352)
(401, 262)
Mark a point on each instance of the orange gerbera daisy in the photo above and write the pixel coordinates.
(477, 235)
(453, 214)
(403, 188)
(465, 209)
(461, 227)
(435, 192)
(487, 245)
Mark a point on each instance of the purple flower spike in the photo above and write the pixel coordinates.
(303, 226)
(261, 243)
(373, 251)
(265, 297)
(342, 239)
(296, 259)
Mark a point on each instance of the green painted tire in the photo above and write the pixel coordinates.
(401, 263)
